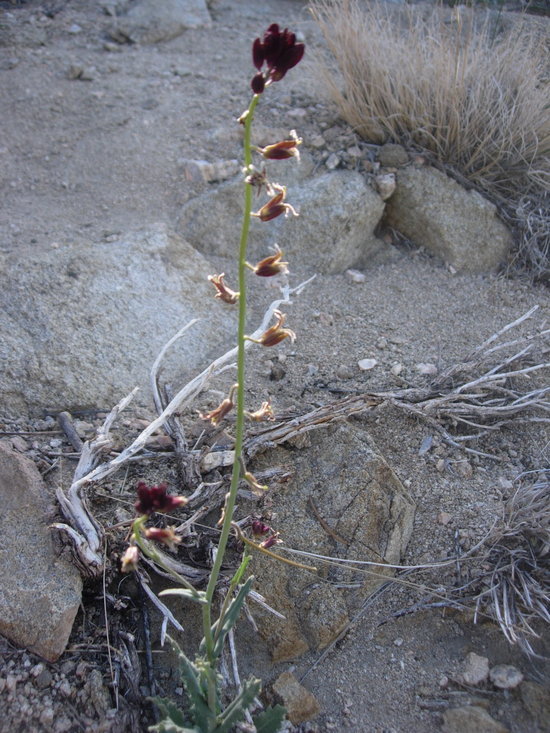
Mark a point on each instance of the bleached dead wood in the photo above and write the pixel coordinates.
(480, 392)
(476, 392)
(83, 531)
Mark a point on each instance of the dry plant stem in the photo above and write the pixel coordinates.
(164, 610)
(85, 534)
(157, 398)
(487, 404)
(83, 530)
(240, 409)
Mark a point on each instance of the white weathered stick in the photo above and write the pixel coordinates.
(84, 532)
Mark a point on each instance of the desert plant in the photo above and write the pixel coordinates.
(207, 711)
(471, 94)
(514, 586)
(474, 98)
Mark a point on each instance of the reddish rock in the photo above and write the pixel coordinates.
(39, 591)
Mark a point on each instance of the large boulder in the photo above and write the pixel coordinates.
(151, 21)
(83, 324)
(343, 501)
(39, 591)
(461, 227)
(335, 230)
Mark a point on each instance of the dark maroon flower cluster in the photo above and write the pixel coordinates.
(259, 528)
(279, 51)
(155, 499)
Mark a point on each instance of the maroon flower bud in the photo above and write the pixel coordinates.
(155, 499)
(272, 265)
(283, 149)
(167, 536)
(224, 293)
(278, 50)
(216, 416)
(258, 83)
(271, 541)
(275, 206)
(258, 179)
(260, 528)
(276, 333)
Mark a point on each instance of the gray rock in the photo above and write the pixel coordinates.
(476, 669)
(370, 515)
(300, 704)
(151, 21)
(505, 676)
(391, 155)
(536, 700)
(39, 592)
(82, 324)
(461, 227)
(335, 230)
(202, 171)
(471, 718)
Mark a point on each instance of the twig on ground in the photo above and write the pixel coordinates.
(165, 611)
(82, 529)
(473, 392)
(66, 423)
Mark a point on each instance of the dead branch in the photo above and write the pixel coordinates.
(84, 533)
(475, 392)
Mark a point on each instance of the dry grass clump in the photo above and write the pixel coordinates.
(531, 218)
(452, 83)
(517, 581)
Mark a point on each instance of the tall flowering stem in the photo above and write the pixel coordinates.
(240, 405)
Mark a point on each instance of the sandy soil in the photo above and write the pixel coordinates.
(89, 159)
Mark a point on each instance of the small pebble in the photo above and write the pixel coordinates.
(426, 368)
(354, 276)
(19, 443)
(396, 369)
(505, 676)
(354, 151)
(366, 364)
(464, 469)
(332, 162)
(298, 113)
(318, 141)
(475, 670)
(344, 372)
(385, 184)
(43, 679)
(444, 518)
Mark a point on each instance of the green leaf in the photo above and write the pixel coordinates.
(271, 720)
(191, 676)
(192, 595)
(174, 720)
(231, 616)
(236, 579)
(236, 709)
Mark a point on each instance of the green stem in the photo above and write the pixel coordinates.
(239, 427)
